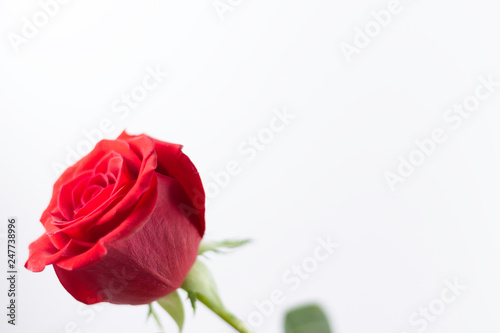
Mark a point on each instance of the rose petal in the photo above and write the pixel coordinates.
(43, 253)
(130, 225)
(87, 163)
(133, 271)
(174, 163)
(65, 198)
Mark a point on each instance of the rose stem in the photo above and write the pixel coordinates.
(224, 314)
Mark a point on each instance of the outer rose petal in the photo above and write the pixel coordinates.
(174, 163)
(146, 266)
(43, 252)
(40, 251)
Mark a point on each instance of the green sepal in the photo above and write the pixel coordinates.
(219, 247)
(200, 285)
(172, 303)
(192, 299)
(152, 312)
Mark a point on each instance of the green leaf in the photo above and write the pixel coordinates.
(218, 247)
(172, 303)
(307, 319)
(155, 316)
(200, 285)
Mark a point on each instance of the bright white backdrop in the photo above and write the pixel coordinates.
(323, 175)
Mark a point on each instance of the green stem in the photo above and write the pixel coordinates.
(224, 314)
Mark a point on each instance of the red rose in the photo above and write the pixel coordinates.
(124, 223)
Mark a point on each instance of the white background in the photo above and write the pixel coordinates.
(323, 175)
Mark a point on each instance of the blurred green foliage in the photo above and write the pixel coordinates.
(307, 319)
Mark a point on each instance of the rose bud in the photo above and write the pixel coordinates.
(124, 223)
